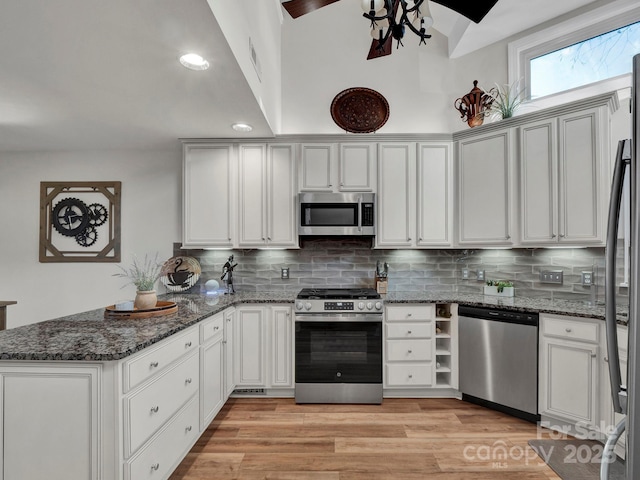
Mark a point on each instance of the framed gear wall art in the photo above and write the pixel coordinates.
(80, 221)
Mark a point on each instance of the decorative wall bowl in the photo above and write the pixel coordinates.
(360, 110)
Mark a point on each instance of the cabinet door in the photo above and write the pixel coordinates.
(538, 182)
(229, 347)
(357, 167)
(484, 184)
(249, 362)
(50, 423)
(252, 214)
(281, 191)
(396, 224)
(579, 161)
(435, 199)
(281, 365)
(211, 380)
(316, 167)
(207, 196)
(568, 380)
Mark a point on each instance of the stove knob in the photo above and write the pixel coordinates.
(361, 305)
(299, 306)
(369, 305)
(378, 305)
(307, 306)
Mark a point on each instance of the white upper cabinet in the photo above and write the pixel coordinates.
(208, 195)
(267, 195)
(344, 167)
(357, 167)
(414, 195)
(484, 189)
(396, 193)
(561, 177)
(434, 195)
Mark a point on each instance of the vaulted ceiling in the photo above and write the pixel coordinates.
(105, 75)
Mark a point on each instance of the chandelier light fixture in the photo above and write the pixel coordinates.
(392, 18)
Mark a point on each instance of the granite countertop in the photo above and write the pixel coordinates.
(88, 336)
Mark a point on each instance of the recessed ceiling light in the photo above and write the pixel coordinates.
(242, 127)
(194, 61)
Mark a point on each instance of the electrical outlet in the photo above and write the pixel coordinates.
(552, 276)
(480, 275)
(587, 278)
(284, 273)
(465, 273)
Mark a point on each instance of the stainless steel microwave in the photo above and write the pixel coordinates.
(337, 214)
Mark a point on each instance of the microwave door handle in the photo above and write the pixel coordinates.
(360, 213)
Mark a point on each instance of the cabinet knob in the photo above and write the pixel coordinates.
(224, 341)
(562, 235)
(187, 345)
(508, 237)
(568, 330)
(155, 466)
(155, 409)
(408, 332)
(409, 351)
(594, 355)
(188, 380)
(188, 429)
(409, 314)
(408, 239)
(153, 364)
(606, 359)
(216, 328)
(553, 235)
(410, 376)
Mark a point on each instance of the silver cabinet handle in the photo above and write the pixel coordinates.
(155, 409)
(606, 359)
(562, 235)
(155, 466)
(153, 364)
(188, 380)
(187, 345)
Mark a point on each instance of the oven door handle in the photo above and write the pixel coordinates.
(339, 318)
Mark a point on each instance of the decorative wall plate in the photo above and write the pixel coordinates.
(360, 110)
(180, 273)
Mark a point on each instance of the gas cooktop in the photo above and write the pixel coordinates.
(338, 293)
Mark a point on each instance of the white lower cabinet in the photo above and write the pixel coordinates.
(409, 346)
(51, 425)
(212, 368)
(569, 372)
(264, 347)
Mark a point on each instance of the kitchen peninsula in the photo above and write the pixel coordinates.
(131, 397)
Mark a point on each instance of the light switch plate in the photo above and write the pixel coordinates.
(552, 276)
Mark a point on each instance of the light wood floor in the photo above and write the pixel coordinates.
(402, 439)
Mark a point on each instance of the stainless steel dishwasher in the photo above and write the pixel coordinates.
(498, 359)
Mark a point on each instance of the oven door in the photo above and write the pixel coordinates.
(338, 349)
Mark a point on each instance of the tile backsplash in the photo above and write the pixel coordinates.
(350, 262)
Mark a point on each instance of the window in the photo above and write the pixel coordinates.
(586, 55)
(598, 58)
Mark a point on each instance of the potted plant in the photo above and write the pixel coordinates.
(143, 276)
(506, 100)
(501, 288)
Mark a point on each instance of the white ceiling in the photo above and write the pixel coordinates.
(86, 75)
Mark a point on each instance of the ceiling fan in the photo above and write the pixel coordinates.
(474, 10)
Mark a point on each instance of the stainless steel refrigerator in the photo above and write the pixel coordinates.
(625, 391)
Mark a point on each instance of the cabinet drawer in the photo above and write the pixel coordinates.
(410, 330)
(162, 454)
(570, 329)
(211, 327)
(402, 314)
(148, 409)
(410, 375)
(411, 350)
(145, 365)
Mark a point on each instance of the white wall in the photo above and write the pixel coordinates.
(150, 220)
(420, 82)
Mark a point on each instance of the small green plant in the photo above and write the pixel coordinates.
(506, 100)
(142, 275)
(500, 284)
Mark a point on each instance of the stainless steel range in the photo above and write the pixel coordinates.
(338, 344)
